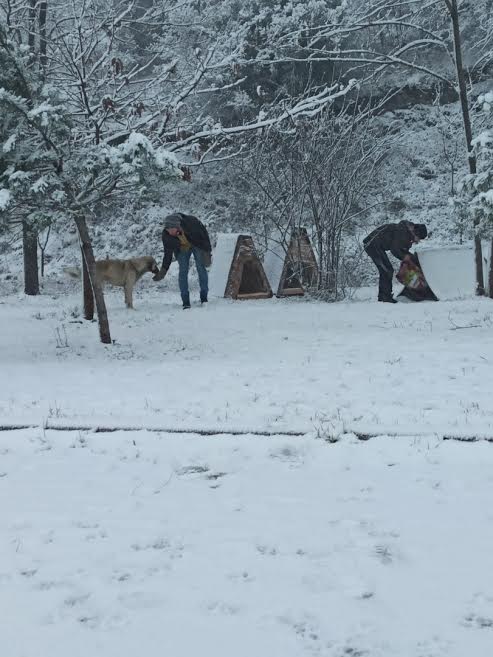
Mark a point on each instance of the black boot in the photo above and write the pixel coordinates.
(388, 299)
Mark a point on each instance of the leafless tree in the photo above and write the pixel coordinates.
(42, 247)
(317, 175)
(379, 36)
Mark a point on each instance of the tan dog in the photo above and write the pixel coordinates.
(122, 273)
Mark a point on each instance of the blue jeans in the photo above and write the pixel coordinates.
(183, 259)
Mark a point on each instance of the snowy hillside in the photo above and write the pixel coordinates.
(414, 184)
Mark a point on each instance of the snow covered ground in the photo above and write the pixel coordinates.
(145, 542)
(149, 544)
(276, 365)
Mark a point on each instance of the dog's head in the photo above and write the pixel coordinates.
(152, 265)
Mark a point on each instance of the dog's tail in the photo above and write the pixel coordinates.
(72, 272)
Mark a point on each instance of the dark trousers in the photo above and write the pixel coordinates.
(385, 270)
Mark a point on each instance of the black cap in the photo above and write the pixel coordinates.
(420, 231)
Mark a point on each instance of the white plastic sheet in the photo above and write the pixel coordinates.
(450, 271)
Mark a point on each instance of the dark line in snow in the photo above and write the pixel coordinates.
(111, 429)
(364, 437)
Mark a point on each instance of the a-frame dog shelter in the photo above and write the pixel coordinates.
(290, 263)
(237, 271)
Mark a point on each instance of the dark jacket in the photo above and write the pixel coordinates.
(396, 238)
(195, 232)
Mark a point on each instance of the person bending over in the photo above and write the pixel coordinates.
(183, 236)
(398, 239)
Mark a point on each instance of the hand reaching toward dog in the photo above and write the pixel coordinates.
(160, 275)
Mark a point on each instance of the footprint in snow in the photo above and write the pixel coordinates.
(75, 600)
(477, 621)
(82, 524)
(267, 550)
(304, 629)
(288, 454)
(192, 469)
(384, 554)
(226, 608)
(94, 536)
(48, 585)
(173, 551)
(96, 622)
(141, 600)
(241, 577)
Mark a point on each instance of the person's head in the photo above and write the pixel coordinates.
(172, 224)
(420, 232)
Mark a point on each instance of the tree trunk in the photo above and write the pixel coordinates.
(42, 248)
(87, 290)
(466, 120)
(30, 249)
(490, 273)
(43, 10)
(90, 262)
(31, 38)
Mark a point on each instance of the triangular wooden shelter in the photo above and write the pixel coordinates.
(237, 271)
(290, 263)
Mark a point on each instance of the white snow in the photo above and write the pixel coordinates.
(270, 364)
(221, 263)
(40, 185)
(273, 266)
(9, 143)
(140, 542)
(274, 258)
(148, 544)
(5, 197)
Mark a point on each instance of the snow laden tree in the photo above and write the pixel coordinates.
(52, 168)
(452, 7)
(236, 91)
(371, 41)
(33, 14)
(11, 80)
(477, 187)
(115, 89)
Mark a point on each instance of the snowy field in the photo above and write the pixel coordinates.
(116, 545)
(153, 543)
(276, 365)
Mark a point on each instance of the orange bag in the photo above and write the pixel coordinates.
(411, 276)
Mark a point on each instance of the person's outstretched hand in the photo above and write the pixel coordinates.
(159, 276)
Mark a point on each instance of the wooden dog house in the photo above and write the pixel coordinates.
(290, 263)
(237, 271)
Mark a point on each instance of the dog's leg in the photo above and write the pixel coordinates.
(129, 286)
